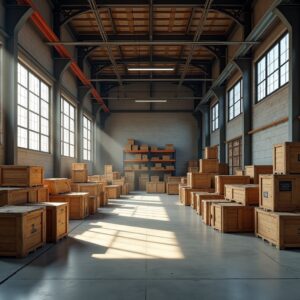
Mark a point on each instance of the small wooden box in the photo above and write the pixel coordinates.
(255, 170)
(154, 178)
(57, 220)
(240, 172)
(93, 205)
(232, 217)
(14, 196)
(108, 169)
(211, 152)
(172, 188)
(199, 181)
(22, 230)
(286, 158)
(206, 196)
(93, 189)
(279, 192)
(221, 180)
(113, 191)
(246, 194)
(127, 147)
(278, 228)
(209, 166)
(130, 141)
(151, 187)
(206, 209)
(79, 176)
(79, 166)
(17, 176)
(78, 204)
(160, 187)
(58, 185)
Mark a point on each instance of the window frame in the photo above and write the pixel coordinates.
(230, 144)
(279, 69)
(215, 114)
(64, 98)
(41, 81)
(234, 103)
(90, 141)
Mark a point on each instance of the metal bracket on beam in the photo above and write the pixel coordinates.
(219, 91)
(83, 91)
(243, 63)
(60, 66)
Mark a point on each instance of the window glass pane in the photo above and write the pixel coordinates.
(235, 98)
(45, 143)
(284, 50)
(22, 76)
(22, 137)
(34, 84)
(34, 141)
(45, 109)
(261, 70)
(272, 82)
(34, 122)
(22, 117)
(44, 126)
(284, 74)
(44, 92)
(34, 103)
(22, 96)
(272, 60)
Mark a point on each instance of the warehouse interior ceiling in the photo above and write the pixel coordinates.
(186, 37)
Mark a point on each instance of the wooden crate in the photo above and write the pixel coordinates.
(108, 169)
(173, 179)
(160, 187)
(57, 221)
(211, 152)
(58, 185)
(223, 169)
(79, 176)
(206, 209)
(246, 194)
(205, 196)
(286, 158)
(240, 172)
(193, 170)
(255, 170)
(93, 189)
(125, 189)
(14, 196)
(232, 217)
(154, 178)
(199, 181)
(93, 205)
(278, 228)
(172, 188)
(143, 183)
(183, 180)
(209, 166)
(221, 180)
(151, 187)
(79, 166)
(113, 191)
(279, 192)
(22, 229)
(194, 200)
(78, 204)
(42, 194)
(103, 199)
(21, 176)
(97, 178)
(186, 194)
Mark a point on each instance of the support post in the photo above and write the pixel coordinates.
(245, 65)
(198, 118)
(15, 18)
(289, 15)
(206, 128)
(220, 93)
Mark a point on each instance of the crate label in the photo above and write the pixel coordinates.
(285, 186)
(266, 195)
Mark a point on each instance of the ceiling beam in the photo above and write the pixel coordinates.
(148, 79)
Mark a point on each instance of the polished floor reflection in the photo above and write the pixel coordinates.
(149, 247)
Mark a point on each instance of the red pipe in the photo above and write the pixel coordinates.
(48, 33)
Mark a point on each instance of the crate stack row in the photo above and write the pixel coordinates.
(193, 166)
(27, 219)
(277, 220)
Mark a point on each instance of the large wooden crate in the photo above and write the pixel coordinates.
(79, 166)
(286, 158)
(206, 196)
(93, 205)
(93, 188)
(211, 152)
(278, 228)
(103, 199)
(172, 188)
(79, 176)
(42, 194)
(199, 181)
(221, 180)
(232, 217)
(255, 170)
(14, 196)
(22, 229)
(113, 191)
(58, 185)
(206, 209)
(21, 176)
(186, 195)
(209, 166)
(57, 221)
(246, 194)
(78, 204)
(160, 187)
(279, 192)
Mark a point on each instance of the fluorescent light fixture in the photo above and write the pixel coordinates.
(151, 69)
(151, 100)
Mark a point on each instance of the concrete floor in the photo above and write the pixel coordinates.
(150, 247)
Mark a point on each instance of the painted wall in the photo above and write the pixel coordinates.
(157, 129)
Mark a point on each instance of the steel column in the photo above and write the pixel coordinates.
(206, 126)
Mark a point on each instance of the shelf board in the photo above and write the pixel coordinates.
(162, 170)
(162, 151)
(136, 170)
(136, 151)
(136, 161)
(150, 151)
(163, 161)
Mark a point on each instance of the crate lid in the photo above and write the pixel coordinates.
(56, 179)
(3, 189)
(43, 204)
(12, 209)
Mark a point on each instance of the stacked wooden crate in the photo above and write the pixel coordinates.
(193, 166)
(155, 186)
(277, 220)
(143, 179)
(102, 183)
(172, 185)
